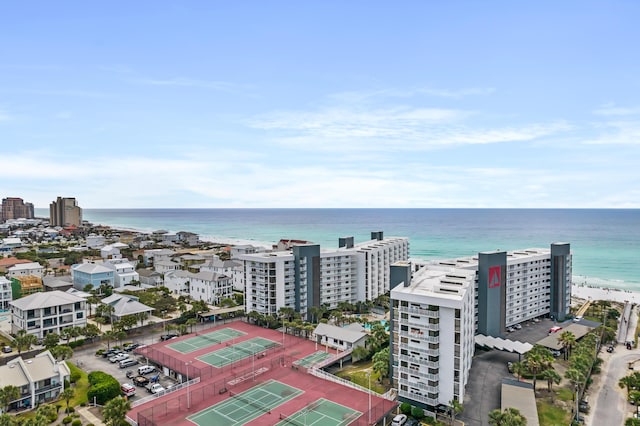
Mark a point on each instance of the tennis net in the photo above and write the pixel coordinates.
(250, 402)
(211, 339)
(289, 420)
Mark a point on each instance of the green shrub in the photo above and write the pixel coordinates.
(417, 412)
(67, 420)
(405, 408)
(97, 376)
(75, 376)
(71, 410)
(76, 343)
(83, 404)
(99, 352)
(76, 423)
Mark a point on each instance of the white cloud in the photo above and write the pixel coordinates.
(610, 109)
(617, 133)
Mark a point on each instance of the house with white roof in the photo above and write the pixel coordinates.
(125, 304)
(150, 277)
(342, 338)
(112, 251)
(164, 266)
(39, 379)
(95, 241)
(23, 269)
(11, 243)
(152, 256)
(230, 268)
(94, 274)
(49, 312)
(125, 273)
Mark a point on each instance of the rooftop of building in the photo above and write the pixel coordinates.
(432, 281)
(45, 300)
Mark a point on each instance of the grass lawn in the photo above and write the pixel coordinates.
(551, 415)
(358, 374)
(81, 388)
(565, 394)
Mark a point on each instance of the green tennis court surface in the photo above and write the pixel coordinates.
(321, 413)
(241, 350)
(314, 358)
(242, 408)
(204, 340)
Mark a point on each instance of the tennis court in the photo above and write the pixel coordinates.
(241, 350)
(321, 413)
(242, 408)
(314, 358)
(202, 341)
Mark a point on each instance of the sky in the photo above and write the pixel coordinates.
(258, 104)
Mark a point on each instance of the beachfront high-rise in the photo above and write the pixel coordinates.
(65, 212)
(507, 288)
(306, 276)
(16, 208)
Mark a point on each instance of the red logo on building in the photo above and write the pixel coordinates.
(494, 276)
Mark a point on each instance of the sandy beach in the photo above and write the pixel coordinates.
(599, 293)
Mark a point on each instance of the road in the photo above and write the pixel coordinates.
(608, 401)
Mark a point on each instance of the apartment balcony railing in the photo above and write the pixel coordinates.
(419, 398)
(420, 360)
(419, 373)
(48, 388)
(420, 336)
(419, 311)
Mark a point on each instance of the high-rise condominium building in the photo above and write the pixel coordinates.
(306, 276)
(446, 302)
(16, 208)
(65, 212)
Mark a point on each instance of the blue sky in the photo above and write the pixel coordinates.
(321, 103)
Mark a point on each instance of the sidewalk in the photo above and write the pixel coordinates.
(89, 416)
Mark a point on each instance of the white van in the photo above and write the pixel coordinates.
(146, 369)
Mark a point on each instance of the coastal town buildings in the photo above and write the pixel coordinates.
(51, 312)
(16, 208)
(39, 379)
(65, 212)
(306, 276)
(438, 307)
(210, 287)
(94, 274)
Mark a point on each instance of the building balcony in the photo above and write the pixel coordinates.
(420, 336)
(419, 398)
(424, 361)
(419, 311)
(43, 389)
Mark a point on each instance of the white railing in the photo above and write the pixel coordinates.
(165, 392)
(330, 377)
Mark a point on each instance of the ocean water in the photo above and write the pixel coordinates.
(605, 243)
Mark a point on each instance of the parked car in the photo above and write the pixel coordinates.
(610, 349)
(127, 389)
(555, 329)
(168, 336)
(155, 388)
(399, 420)
(509, 329)
(578, 318)
(510, 366)
(132, 346)
(130, 374)
(7, 349)
(118, 357)
(412, 422)
(518, 327)
(140, 381)
(145, 369)
(129, 362)
(110, 352)
(556, 354)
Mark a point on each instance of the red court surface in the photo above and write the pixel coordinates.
(217, 383)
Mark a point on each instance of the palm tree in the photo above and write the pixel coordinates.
(190, 323)
(109, 335)
(568, 341)
(23, 340)
(519, 368)
(627, 382)
(534, 364)
(100, 321)
(509, 417)
(67, 395)
(552, 377)
(61, 352)
(455, 408)
(8, 394)
(115, 411)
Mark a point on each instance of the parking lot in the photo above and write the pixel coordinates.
(88, 361)
(483, 391)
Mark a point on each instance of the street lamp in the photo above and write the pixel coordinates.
(188, 396)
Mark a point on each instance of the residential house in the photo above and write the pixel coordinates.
(124, 304)
(95, 241)
(230, 268)
(187, 238)
(150, 277)
(154, 255)
(24, 269)
(164, 266)
(39, 379)
(93, 274)
(51, 312)
(341, 338)
(25, 285)
(8, 262)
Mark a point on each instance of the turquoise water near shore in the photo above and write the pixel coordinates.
(605, 242)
